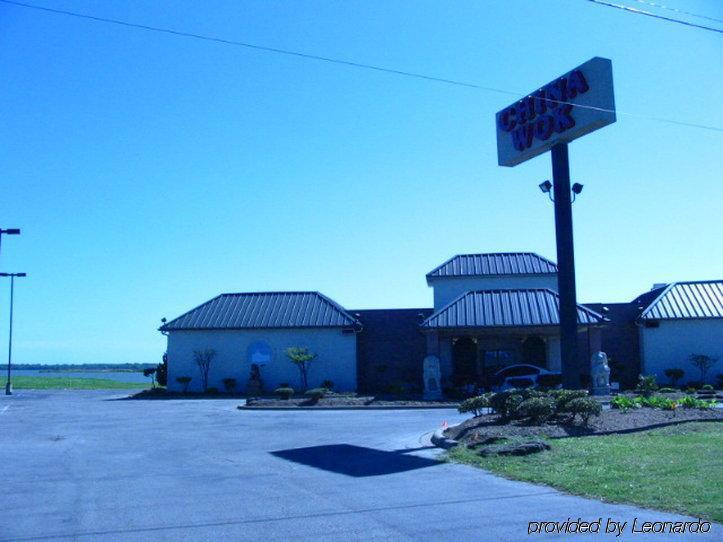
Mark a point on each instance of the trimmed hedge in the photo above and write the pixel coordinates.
(284, 392)
(534, 405)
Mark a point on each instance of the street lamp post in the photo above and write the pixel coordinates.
(8, 385)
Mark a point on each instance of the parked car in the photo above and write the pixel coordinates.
(519, 376)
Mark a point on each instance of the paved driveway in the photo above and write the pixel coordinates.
(86, 466)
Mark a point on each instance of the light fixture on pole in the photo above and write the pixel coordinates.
(545, 187)
(8, 384)
(8, 231)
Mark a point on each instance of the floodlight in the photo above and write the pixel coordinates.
(545, 187)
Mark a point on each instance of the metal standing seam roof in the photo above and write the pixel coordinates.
(687, 300)
(497, 263)
(506, 308)
(264, 310)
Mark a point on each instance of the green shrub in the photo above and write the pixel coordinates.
(229, 384)
(328, 384)
(475, 404)
(505, 403)
(212, 391)
(707, 387)
(663, 403)
(667, 390)
(692, 402)
(690, 390)
(537, 409)
(315, 393)
(184, 381)
(284, 392)
(674, 374)
(512, 405)
(624, 403)
(562, 397)
(585, 407)
(162, 371)
(498, 401)
(646, 385)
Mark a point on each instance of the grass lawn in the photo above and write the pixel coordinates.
(677, 468)
(67, 383)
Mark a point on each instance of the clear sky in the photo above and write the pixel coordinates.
(150, 172)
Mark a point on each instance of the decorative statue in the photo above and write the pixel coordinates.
(600, 374)
(255, 385)
(432, 390)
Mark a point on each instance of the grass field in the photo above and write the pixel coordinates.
(66, 383)
(678, 468)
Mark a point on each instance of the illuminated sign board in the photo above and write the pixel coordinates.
(579, 102)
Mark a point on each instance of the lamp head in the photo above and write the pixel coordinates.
(576, 188)
(11, 231)
(545, 187)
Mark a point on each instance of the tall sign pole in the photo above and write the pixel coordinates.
(571, 106)
(565, 266)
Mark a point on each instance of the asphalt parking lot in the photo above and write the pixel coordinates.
(90, 466)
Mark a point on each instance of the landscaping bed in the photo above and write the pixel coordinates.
(609, 421)
(334, 400)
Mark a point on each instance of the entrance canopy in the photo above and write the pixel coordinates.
(529, 308)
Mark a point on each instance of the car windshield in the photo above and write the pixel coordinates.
(518, 370)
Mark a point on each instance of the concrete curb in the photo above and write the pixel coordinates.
(440, 441)
(370, 407)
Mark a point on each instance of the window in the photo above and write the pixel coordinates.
(498, 358)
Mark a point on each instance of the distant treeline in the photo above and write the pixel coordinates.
(79, 367)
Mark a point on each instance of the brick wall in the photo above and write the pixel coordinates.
(390, 349)
(621, 341)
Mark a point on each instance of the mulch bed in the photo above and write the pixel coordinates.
(610, 421)
(347, 401)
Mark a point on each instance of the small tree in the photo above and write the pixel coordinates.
(184, 381)
(151, 372)
(162, 371)
(302, 358)
(674, 374)
(203, 359)
(703, 363)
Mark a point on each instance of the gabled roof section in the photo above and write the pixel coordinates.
(264, 310)
(685, 300)
(506, 308)
(494, 264)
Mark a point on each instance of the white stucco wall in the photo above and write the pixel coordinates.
(446, 289)
(336, 357)
(671, 345)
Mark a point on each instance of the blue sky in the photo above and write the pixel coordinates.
(150, 172)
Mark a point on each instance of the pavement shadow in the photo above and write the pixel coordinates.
(356, 461)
